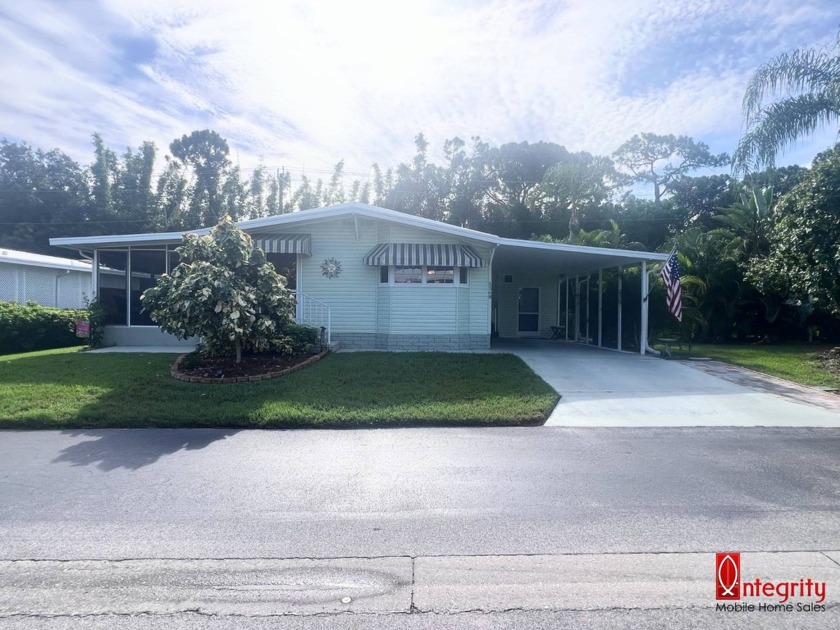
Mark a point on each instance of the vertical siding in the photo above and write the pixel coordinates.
(463, 309)
(26, 283)
(480, 296)
(423, 310)
(383, 309)
(352, 295)
(360, 304)
(508, 302)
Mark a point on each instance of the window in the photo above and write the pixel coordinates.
(440, 275)
(408, 275)
(423, 274)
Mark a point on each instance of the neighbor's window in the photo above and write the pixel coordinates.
(383, 275)
(463, 275)
(440, 275)
(408, 275)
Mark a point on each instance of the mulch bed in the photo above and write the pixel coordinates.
(253, 367)
(830, 360)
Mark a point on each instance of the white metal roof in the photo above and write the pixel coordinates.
(577, 253)
(17, 257)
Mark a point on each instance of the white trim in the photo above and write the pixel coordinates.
(643, 324)
(365, 210)
(81, 268)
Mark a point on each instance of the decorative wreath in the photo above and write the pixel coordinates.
(331, 268)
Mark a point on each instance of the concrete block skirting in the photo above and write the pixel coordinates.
(411, 343)
(143, 336)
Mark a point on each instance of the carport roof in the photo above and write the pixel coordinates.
(511, 253)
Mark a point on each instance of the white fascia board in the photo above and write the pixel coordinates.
(583, 249)
(47, 265)
(372, 212)
(88, 242)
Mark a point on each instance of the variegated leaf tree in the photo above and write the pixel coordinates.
(223, 291)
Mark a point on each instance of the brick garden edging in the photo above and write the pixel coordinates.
(173, 371)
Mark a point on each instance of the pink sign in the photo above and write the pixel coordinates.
(82, 328)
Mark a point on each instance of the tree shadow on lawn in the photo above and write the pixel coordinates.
(134, 448)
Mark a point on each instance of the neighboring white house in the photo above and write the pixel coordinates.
(379, 279)
(47, 280)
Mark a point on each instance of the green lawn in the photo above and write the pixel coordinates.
(797, 362)
(70, 389)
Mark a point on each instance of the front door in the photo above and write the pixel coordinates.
(529, 311)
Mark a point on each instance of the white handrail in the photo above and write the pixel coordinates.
(314, 312)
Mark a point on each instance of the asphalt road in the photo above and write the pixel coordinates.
(395, 496)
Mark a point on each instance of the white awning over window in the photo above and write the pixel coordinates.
(417, 254)
(285, 244)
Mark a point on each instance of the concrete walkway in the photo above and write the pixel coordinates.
(152, 349)
(611, 389)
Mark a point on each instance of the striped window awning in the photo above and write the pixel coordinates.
(285, 244)
(416, 254)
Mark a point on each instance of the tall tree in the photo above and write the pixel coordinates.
(662, 160)
(42, 195)
(102, 170)
(804, 263)
(132, 195)
(206, 152)
(809, 81)
(582, 181)
(171, 198)
(515, 171)
(464, 185)
(335, 190)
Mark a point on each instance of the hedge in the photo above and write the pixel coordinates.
(30, 326)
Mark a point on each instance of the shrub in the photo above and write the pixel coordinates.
(302, 338)
(30, 326)
(223, 291)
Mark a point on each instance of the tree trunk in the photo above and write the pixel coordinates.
(238, 351)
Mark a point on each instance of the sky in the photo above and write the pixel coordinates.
(302, 85)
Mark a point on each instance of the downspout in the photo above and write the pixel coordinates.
(57, 278)
(490, 295)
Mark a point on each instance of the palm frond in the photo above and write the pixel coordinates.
(780, 124)
(799, 71)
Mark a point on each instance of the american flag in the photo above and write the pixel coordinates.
(670, 275)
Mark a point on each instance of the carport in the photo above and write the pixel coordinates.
(573, 293)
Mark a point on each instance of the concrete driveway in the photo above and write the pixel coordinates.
(614, 389)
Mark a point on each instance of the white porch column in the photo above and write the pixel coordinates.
(643, 332)
(128, 287)
(577, 308)
(618, 327)
(600, 305)
(567, 308)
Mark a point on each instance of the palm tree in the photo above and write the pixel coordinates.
(811, 80)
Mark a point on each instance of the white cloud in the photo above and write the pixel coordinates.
(317, 82)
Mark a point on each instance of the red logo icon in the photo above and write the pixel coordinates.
(727, 576)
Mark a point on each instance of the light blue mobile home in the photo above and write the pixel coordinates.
(378, 279)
